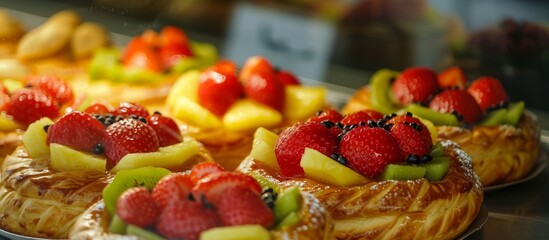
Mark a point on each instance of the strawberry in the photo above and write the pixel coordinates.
(458, 101)
(128, 136)
(140, 55)
(408, 118)
(452, 77)
(253, 65)
(186, 220)
(126, 109)
(226, 66)
(171, 34)
(204, 169)
(415, 84)
(488, 92)
(174, 187)
(410, 139)
(286, 78)
(165, 128)
(218, 90)
(369, 150)
(361, 117)
(292, 142)
(172, 53)
(137, 43)
(328, 115)
(78, 130)
(30, 104)
(136, 206)
(263, 87)
(150, 38)
(53, 86)
(214, 185)
(97, 108)
(242, 206)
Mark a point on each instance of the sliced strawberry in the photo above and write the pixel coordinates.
(204, 169)
(53, 86)
(452, 77)
(127, 109)
(292, 142)
(171, 54)
(165, 128)
(150, 38)
(218, 90)
(361, 117)
(172, 34)
(369, 150)
(242, 206)
(415, 84)
(408, 118)
(30, 104)
(226, 66)
(128, 136)
(410, 140)
(214, 185)
(331, 115)
(263, 87)
(140, 55)
(286, 78)
(457, 101)
(97, 108)
(175, 187)
(136, 206)
(137, 43)
(186, 220)
(253, 65)
(488, 92)
(78, 130)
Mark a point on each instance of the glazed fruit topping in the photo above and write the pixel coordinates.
(459, 102)
(213, 186)
(331, 115)
(452, 77)
(79, 131)
(242, 206)
(126, 109)
(137, 206)
(166, 129)
(172, 188)
(488, 92)
(30, 104)
(202, 170)
(264, 87)
(52, 86)
(186, 220)
(415, 84)
(218, 89)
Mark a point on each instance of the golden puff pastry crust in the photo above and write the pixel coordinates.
(9, 141)
(315, 224)
(414, 209)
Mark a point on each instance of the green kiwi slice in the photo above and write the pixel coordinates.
(117, 225)
(290, 219)
(514, 113)
(142, 233)
(437, 118)
(403, 172)
(494, 118)
(264, 182)
(139, 177)
(380, 84)
(436, 168)
(286, 203)
(437, 150)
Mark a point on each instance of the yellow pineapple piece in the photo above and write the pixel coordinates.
(319, 167)
(7, 123)
(431, 127)
(194, 114)
(166, 157)
(242, 232)
(301, 102)
(263, 147)
(64, 158)
(247, 114)
(185, 86)
(34, 139)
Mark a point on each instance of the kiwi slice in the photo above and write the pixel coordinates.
(286, 203)
(495, 117)
(436, 168)
(264, 182)
(437, 118)
(139, 177)
(514, 113)
(103, 63)
(380, 84)
(142, 233)
(437, 150)
(117, 225)
(403, 172)
(291, 219)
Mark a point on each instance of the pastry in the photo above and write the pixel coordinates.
(502, 138)
(382, 179)
(222, 105)
(61, 167)
(205, 203)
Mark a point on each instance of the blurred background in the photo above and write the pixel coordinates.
(343, 41)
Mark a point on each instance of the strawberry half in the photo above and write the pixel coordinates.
(408, 118)
(457, 101)
(138, 54)
(331, 115)
(263, 87)
(165, 128)
(218, 90)
(488, 92)
(253, 65)
(286, 78)
(204, 169)
(175, 187)
(97, 108)
(242, 206)
(30, 104)
(78, 130)
(361, 117)
(136, 206)
(172, 53)
(186, 220)
(369, 150)
(415, 84)
(292, 142)
(410, 140)
(53, 86)
(452, 77)
(127, 109)
(214, 186)
(172, 34)
(128, 136)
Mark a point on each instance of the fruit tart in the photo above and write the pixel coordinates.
(62, 167)
(501, 136)
(379, 178)
(204, 203)
(222, 105)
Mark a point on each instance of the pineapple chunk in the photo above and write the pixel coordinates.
(242, 232)
(166, 157)
(302, 102)
(431, 127)
(34, 138)
(64, 158)
(185, 86)
(246, 114)
(7, 123)
(194, 114)
(319, 167)
(12, 85)
(263, 147)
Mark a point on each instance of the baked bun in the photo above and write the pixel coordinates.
(396, 209)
